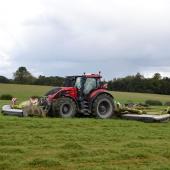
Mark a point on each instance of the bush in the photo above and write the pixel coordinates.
(167, 103)
(153, 102)
(5, 97)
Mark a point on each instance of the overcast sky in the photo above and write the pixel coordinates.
(65, 37)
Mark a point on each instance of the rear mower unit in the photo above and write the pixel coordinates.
(80, 94)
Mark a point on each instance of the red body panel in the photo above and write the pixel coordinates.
(96, 92)
(67, 91)
(71, 91)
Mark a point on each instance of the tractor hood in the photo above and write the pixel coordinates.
(53, 91)
(64, 91)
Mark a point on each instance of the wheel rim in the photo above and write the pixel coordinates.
(104, 108)
(65, 109)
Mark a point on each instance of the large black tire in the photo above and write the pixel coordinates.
(64, 107)
(103, 106)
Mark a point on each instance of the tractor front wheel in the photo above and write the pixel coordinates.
(103, 106)
(64, 107)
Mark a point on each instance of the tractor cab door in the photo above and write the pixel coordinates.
(86, 85)
(90, 85)
(79, 84)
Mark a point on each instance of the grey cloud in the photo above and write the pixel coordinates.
(91, 36)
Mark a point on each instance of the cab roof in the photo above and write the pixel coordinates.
(87, 76)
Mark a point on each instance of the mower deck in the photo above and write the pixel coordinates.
(147, 118)
(7, 110)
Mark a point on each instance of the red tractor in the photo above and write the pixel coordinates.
(81, 94)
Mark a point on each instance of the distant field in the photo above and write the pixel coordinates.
(23, 92)
(138, 97)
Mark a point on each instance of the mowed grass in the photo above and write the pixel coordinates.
(81, 143)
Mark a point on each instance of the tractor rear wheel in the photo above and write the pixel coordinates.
(64, 107)
(103, 106)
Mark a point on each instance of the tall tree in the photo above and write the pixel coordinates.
(139, 76)
(23, 76)
(157, 76)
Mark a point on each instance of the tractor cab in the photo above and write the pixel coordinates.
(85, 83)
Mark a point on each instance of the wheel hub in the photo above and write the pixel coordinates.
(66, 108)
(104, 107)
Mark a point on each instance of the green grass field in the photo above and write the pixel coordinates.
(124, 97)
(23, 92)
(81, 143)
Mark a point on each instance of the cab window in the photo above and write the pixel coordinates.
(89, 85)
(78, 83)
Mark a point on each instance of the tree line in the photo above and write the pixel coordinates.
(138, 83)
(23, 76)
(133, 83)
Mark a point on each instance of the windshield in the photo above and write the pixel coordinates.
(89, 85)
